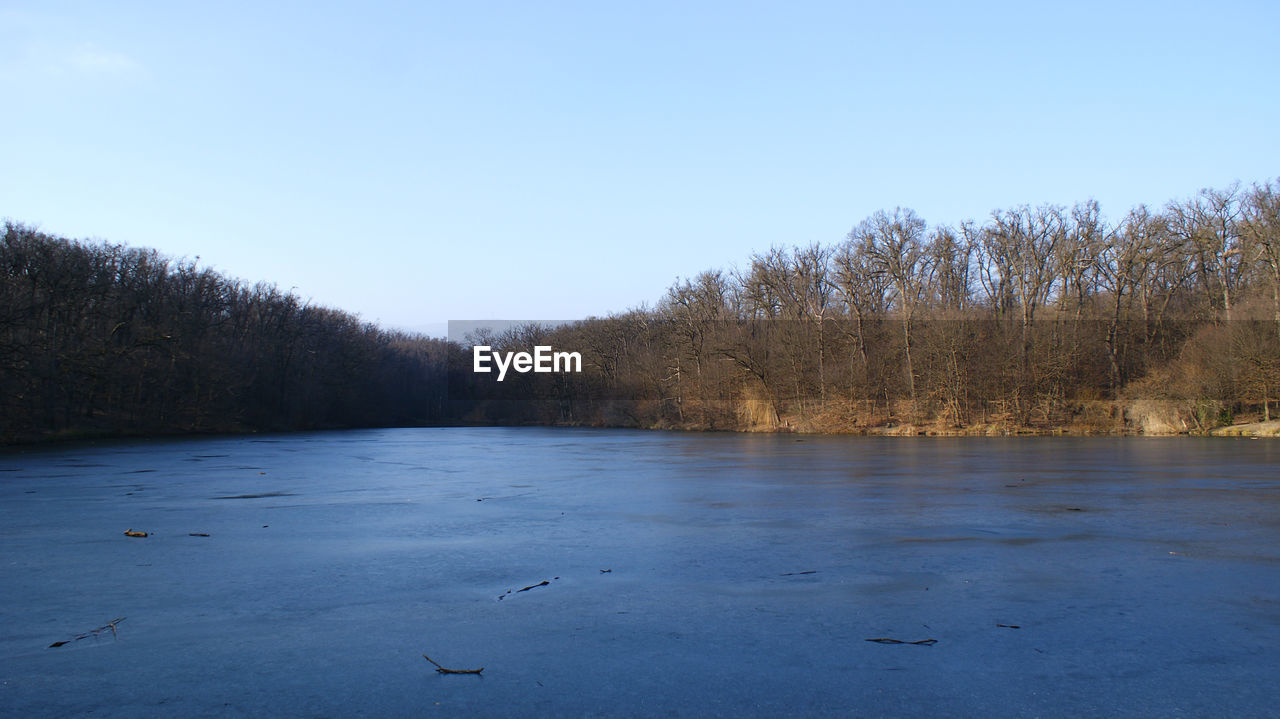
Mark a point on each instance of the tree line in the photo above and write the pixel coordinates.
(1043, 317)
(102, 339)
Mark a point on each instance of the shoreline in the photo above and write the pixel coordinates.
(1246, 430)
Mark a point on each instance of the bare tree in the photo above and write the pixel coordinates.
(895, 246)
(951, 258)
(1209, 224)
(994, 269)
(1024, 241)
(1076, 256)
(813, 290)
(864, 289)
(696, 309)
(1122, 265)
(1261, 227)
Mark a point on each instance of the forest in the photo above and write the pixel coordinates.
(1036, 319)
(100, 340)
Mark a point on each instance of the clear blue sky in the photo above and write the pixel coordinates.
(419, 162)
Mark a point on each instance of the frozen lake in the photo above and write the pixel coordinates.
(687, 574)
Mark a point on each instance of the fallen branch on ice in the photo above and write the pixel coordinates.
(886, 640)
(93, 633)
(442, 670)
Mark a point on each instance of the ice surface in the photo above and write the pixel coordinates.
(688, 575)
